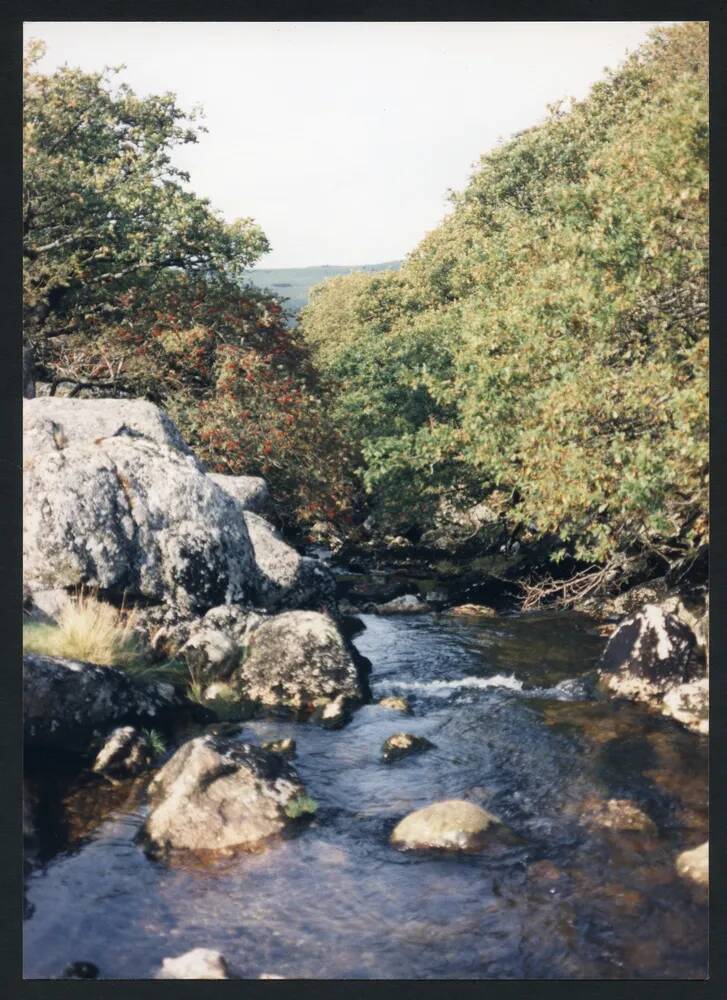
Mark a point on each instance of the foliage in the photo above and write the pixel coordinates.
(133, 286)
(546, 348)
(301, 805)
(157, 743)
(89, 630)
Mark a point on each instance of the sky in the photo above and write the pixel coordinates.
(342, 139)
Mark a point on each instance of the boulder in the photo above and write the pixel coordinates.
(215, 794)
(251, 492)
(616, 814)
(474, 611)
(286, 746)
(115, 500)
(648, 655)
(296, 659)
(125, 753)
(454, 824)
(694, 864)
(689, 704)
(199, 963)
(284, 578)
(332, 714)
(211, 654)
(406, 604)
(402, 745)
(67, 705)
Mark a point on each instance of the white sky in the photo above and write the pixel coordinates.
(342, 139)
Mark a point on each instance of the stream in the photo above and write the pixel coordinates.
(514, 731)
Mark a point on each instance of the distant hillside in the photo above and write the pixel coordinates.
(294, 283)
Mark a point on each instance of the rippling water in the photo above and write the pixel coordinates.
(514, 731)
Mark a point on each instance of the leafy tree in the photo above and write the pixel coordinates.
(546, 347)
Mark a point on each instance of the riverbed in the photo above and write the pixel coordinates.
(517, 730)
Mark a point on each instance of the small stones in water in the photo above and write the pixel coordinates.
(81, 970)
(451, 825)
(286, 747)
(332, 714)
(396, 705)
(694, 864)
(199, 963)
(402, 744)
(125, 753)
(616, 814)
(474, 611)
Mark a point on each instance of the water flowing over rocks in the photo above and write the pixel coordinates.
(216, 794)
(651, 657)
(402, 745)
(297, 659)
(451, 825)
(67, 705)
(199, 963)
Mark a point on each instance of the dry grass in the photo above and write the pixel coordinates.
(90, 630)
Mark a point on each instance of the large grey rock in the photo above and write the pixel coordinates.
(68, 705)
(298, 659)
(450, 825)
(286, 579)
(113, 499)
(199, 963)
(251, 492)
(215, 794)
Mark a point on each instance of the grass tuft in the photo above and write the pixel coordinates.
(90, 630)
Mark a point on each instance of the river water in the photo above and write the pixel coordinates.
(514, 731)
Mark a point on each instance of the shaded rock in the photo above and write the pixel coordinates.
(694, 864)
(115, 500)
(67, 704)
(647, 655)
(296, 659)
(350, 626)
(474, 611)
(199, 963)
(46, 605)
(689, 704)
(125, 753)
(396, 705)
(211, 653)
(233, 620)
(402, 744)
(216, 794)
(406, 604)
(251, 492)
(451, 825)
(286, 747)
(616, 814)
(284, 578)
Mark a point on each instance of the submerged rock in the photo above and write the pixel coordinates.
(694, 864)
(617, 814)
(125, 753)
(454, 824)
(396, 705)
(286, 747)
(199, 963)
(215, 794)
(297, 659)
(406, 604)
(68, 705)
(402, 744)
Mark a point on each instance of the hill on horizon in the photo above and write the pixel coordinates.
(295, 283)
